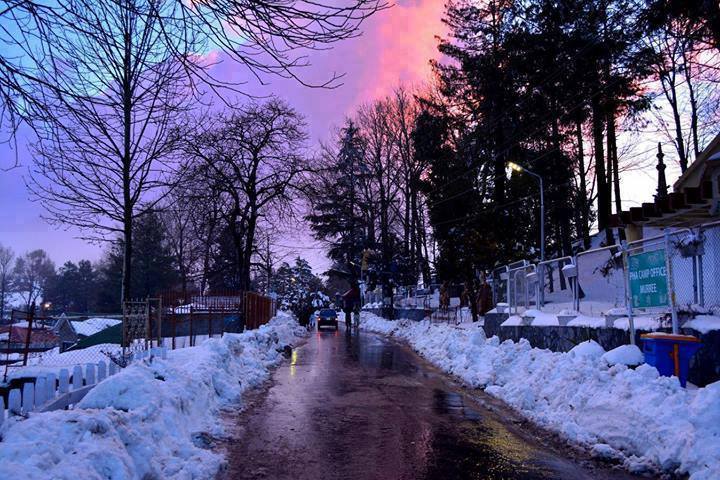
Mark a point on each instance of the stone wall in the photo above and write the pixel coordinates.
(704, 367)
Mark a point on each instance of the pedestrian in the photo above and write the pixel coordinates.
(474, 298)
(485, 301)
(445, 295)
(465, 296)
(351, 300)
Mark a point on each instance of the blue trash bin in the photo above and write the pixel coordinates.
(670, 353)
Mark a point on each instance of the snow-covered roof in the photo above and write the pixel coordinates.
(93, 325)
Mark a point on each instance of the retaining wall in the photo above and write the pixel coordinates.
(704, 368)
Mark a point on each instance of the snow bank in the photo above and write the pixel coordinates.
(154, 419)
(646, 421)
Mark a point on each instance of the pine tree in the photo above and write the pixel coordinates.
(338, 213)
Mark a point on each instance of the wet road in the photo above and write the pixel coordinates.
(367, 408)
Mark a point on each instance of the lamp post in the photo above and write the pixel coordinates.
(519, 168)
(541, 272)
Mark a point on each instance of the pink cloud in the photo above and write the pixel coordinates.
(400, 45)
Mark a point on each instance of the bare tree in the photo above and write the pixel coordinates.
(254, 155)
(267, 37)
(404, 112)
(273, 37)
(6, 258)
(31, 274)
(103, 150)
(381, 160)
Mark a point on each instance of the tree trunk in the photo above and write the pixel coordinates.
(246, 259)
(613, 155)
(127, 160)
(693, 100)
(584, 227)
(603, 197)
(679, 140)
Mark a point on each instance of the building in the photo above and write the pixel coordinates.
(695, 199)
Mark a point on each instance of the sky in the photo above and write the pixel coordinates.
(395, 48)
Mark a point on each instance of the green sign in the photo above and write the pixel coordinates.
(648, 279)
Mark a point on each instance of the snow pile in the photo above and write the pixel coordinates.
(154, 419)
(625, 355)
(92, 326)
(633, 415)
(703, 323)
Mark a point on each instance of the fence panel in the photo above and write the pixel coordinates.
(601, 280)
(709, 269)
(557, 292)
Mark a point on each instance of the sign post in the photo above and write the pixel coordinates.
(628, 295)
(650, 280)
(671, 286)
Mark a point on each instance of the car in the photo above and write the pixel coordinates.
(327, 317)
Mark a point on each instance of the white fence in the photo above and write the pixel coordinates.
(53, 391)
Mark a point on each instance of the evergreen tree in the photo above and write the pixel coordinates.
(73, 288)
(153, 265)
(153, 261)
(296, 287)
(339, 215)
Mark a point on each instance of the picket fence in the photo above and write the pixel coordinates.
(55, 392)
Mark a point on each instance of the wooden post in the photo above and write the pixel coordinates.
(28, 397)
(64, 383)
(159, 320)
(148, 325)
(191, 325)
(90, 374)
(124, 328)
(26, 351)
(14, 402)
(102, 371)
(77, 377)
(210, 319)
(51, 385)
(40, 390)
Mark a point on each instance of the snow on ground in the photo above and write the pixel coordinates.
(542, 319)
(93, 325)
(154, 419)
(641, 323)
(703, 323)
(586, 321)
(646, 421)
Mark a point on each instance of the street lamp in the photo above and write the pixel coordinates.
(519, 168)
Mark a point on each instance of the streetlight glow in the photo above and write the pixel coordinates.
(515, 166)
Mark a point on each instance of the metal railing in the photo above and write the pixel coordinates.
(596, 282)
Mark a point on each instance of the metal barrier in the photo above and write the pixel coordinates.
(596, 282)
(554, 283)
